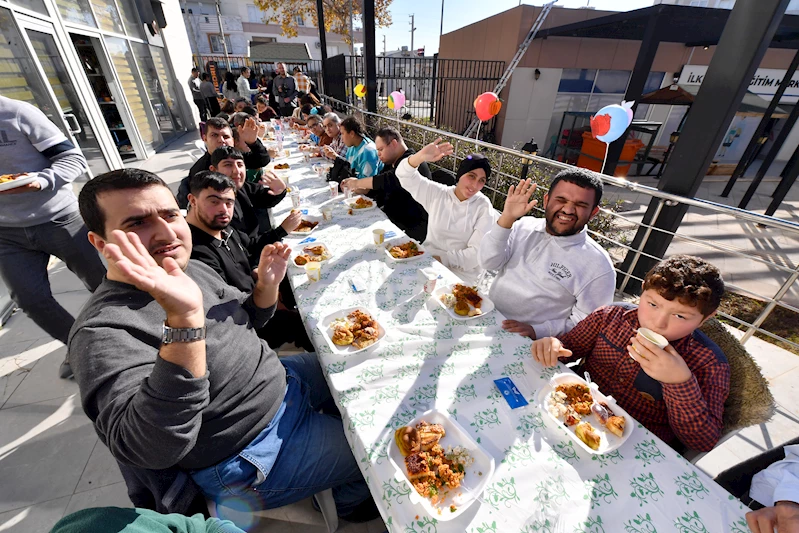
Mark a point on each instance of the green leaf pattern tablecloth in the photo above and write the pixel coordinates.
(543, 482)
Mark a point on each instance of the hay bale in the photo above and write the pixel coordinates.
(750, 401)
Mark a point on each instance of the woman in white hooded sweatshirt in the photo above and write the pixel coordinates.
(459, 215)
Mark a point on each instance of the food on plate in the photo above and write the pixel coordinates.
(306, 226)
(5, 178)
(342, 336)
(361, 203)
(405, 251)
(358, 329)
(432, 470)
(578, 396)
(407, 439)
(316, 253)
(586, 433)
(282, 166)
(615, 425)
(464, 300)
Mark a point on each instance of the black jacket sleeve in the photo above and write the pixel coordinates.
(255, 246)
(183, 190)
(204, 255)
(257, 157)
(260, 197)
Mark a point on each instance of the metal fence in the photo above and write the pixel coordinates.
(439, 90)
(613, 230)
(217, 64)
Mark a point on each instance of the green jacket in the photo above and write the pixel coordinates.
(119, 520)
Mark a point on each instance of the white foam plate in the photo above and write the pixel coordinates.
(347, 350)
(608, 441)
(351, 202)
(298, 250)
(19, 182)
(486, 305)
(309, 219)
(396, 241)
(473, 482)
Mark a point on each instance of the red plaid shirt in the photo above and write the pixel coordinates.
(690, 411)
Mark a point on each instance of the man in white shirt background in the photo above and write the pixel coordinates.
(243, 85)
(551, 273)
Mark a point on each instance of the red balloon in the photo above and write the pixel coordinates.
(600, 125)
(487, 105)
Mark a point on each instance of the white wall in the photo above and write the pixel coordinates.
(529, 106)
(179, 53)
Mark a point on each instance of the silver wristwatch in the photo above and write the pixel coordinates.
(171, 335)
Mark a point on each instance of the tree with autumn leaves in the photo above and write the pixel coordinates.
(337, 14)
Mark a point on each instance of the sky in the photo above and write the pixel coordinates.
(460, 13)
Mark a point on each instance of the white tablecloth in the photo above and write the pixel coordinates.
(543, 481)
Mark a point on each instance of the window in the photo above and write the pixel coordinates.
(299, 20)
(612, 81)
(576, 80)
(698, 3)
(216, 44)
(254, 14)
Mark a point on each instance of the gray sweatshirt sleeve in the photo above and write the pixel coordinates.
(68, 162)
(148, 414)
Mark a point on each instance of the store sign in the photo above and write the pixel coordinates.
(766, 81)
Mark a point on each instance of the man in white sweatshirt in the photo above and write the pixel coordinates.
(551, 273)
(459, 215)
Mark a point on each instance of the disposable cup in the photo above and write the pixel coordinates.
(379, 236)
(327, 213)
(655, 338)
(430, 278)
(314, 271)
(333, 189)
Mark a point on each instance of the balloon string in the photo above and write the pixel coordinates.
(606, 158)
(477, 135)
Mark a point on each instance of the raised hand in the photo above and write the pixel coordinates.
(273, 263)
(130, 262)
(518, 203)
(273, 183)
(435, 151)
(248, 132)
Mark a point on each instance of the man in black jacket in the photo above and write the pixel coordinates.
(385, 188)
(218, 133)
(223, 248)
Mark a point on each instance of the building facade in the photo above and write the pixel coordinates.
(560, 74)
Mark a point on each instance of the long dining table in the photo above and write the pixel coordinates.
(543, 481)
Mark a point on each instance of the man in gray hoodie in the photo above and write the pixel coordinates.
(173, 375)
(41, 218)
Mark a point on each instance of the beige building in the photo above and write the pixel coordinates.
(559, 74)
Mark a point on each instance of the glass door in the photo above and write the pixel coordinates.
(73, 110)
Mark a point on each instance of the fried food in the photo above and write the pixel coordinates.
(312, 254)
(301, 260)
(469, 294)
(405, 251)
(362, 203)
(461, 308)
(282, 166)
(586, 433)
(407, 439)
(342, 336)
(615, 425)
(433, 472)
(361, 320)
(306, 226)
(575, 392)
(5, 178)
(571, 417)
(315, 250)
(365, 337)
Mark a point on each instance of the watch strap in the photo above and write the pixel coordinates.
(170, 335)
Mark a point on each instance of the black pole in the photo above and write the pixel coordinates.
(785, 185)
(770, 157)
(433, 82)
(786, 170)
(370, 54)
(320, 16)
(643, 64)
(727, 79)
(749, 154)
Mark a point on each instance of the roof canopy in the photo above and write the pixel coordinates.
(272, 52)
(752, 104)
(692, 26)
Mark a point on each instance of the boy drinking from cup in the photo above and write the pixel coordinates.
(677, 392)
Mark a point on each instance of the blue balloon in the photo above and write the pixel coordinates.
(619, 121)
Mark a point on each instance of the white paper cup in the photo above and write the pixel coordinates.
(314, 271)
(655, 338)
(327, 213)
(430, 279)
(379, 236)
(295, 198)
(333, 189)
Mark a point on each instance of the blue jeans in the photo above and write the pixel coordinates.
(301, 452)
(24, 253)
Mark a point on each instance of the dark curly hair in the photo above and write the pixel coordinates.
(691, 280)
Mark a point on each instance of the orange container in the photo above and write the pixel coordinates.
(596, 150)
